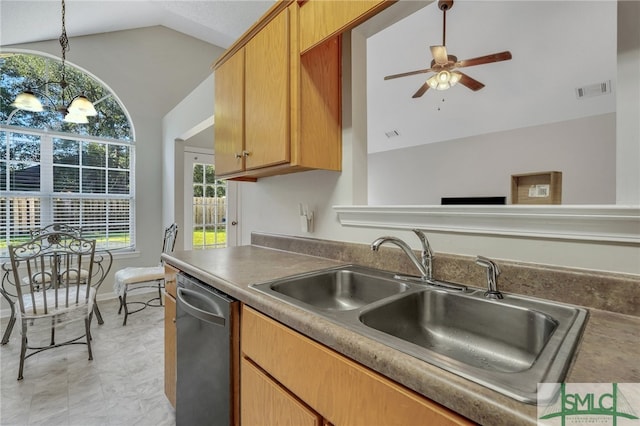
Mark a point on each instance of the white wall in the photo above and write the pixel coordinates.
(584, 150)
(628, 103)
(270, 205)
(151, 70)
(187, 118)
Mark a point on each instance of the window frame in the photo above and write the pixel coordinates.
(75, 132)
(47, 195)
(193, 157)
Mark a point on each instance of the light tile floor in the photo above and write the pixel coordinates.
(122, 385)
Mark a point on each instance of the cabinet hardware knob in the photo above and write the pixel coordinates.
(246, 153)
(234, 223)
(238, 155)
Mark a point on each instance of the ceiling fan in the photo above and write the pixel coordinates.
(445, 66)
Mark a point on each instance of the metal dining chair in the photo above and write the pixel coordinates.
(50, 290)
(57, 227)
(102, 262)
(103, 258)
(130, 279)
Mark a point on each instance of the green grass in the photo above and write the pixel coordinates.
(209, 237)
(123, 239)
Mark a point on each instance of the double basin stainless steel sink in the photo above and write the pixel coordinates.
(509, 345)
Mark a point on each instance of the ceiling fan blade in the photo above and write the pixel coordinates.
(439, 54)
(495, 57)
(405, 74)
(421, 90)
(471, 83)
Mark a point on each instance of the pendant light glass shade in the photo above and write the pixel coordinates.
(75, 117)
(82, 105)
(27, 101)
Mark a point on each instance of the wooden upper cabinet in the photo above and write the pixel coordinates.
(321, 20)
(278, 104)
(267, 100)
(229, 115)
(277, 111)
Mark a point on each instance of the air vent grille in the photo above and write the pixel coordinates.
(592, 90)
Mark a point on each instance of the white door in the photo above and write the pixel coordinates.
(210, 205)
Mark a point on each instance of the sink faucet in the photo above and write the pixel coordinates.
(492, 277)
(424, 265)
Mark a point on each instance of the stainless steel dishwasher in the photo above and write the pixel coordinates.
(205, 350)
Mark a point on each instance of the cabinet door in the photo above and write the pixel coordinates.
(264, 402)
(341, 390)
(229, 115)
(170, 348)
(322, 19)
(267, 95)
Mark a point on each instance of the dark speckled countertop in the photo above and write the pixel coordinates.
(608, 351)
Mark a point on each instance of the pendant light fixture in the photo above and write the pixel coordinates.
(76, 110)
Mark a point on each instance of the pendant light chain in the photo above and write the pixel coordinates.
(64, 44)
(78, 108)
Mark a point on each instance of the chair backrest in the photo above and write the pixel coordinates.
(103, 259)
(102, 262)
(55, 228)
(52, 271)
(170, 236)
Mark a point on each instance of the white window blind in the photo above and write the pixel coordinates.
(79, 181)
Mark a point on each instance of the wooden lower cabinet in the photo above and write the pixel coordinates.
(290, 367)
(266, 403)
(170, 334)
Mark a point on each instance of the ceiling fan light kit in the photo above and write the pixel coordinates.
(444, 80)
(445, 66)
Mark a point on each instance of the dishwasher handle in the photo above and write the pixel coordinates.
(208, 316)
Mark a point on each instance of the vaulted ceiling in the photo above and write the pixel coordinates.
(218, 22)
(557, 46)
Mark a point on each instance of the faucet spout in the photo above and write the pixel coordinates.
(426, 254)
(492, 277)
(424, 265)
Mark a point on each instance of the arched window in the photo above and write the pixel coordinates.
(54, 171)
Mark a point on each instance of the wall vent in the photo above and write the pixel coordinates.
(592, 90)
(392, 133)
